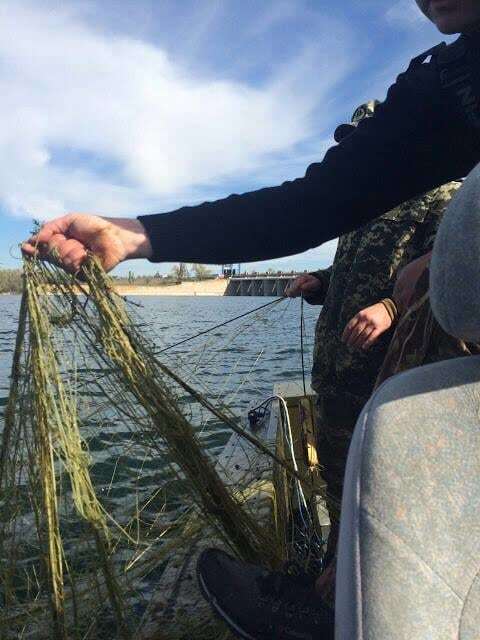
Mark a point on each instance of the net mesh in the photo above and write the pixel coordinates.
(107, 469)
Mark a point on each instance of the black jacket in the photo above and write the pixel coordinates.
(426, 133)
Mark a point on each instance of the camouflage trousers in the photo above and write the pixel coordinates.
(336, 417)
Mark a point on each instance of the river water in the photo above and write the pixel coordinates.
(238, 363)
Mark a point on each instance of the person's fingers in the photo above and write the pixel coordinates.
(68, 264)
(39, 241)
(59, 249)
(45, 234)
(70, 255)
(310, 285)
(33, 247)
(371, 339)
(364, 337)
(358, 338)
(294, 289)
(67, 245)
(347, 332)
(73, 259)
(291, 291)
(54, 246)
(355, 332)
(49, 229)
(28, 248)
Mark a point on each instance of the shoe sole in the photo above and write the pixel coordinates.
(219, 611)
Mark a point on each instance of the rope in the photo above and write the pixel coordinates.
(302, 327)
(222, 324)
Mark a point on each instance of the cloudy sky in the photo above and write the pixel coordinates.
(122, 107)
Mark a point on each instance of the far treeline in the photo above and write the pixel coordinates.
(179, 273)
(11, 279)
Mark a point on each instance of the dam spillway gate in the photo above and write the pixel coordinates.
(259, 285)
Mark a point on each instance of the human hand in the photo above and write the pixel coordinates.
(367, 326)
(67, 240)
(303, 285)
(407, 280)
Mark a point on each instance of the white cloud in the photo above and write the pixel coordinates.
(65, 85)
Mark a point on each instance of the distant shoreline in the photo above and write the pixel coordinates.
(215, 287)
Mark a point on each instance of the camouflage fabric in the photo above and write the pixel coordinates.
(419, 339)
(335, 421)
(323, 276)
(365, 110)
(366, 264)
(364, 271)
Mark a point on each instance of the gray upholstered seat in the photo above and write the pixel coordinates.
(455, 268)
(409, 555)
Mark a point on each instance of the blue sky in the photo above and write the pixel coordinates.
(122, 107)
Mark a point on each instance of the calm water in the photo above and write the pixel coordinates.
(238, 363)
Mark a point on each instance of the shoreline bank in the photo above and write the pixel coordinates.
(201, 288)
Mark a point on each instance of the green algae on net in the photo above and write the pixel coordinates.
(80, 554)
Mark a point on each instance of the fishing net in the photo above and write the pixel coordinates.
(98, 429)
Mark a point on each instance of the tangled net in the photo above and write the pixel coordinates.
(80, 553)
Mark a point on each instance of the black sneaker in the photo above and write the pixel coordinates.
(260, 605)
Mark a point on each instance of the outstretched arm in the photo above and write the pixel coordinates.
(67, 240)
(416, 140)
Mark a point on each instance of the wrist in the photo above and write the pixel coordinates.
(391, 308)
(133, 236)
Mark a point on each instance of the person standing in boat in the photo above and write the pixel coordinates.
(425, 133)
(356, 292)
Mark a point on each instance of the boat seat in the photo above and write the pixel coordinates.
(409, 551)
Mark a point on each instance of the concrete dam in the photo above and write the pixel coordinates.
(259, 284)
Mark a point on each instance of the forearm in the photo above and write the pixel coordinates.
(407, 148)
(273, 222)
(277, 221)
(254, 226)
(134, 237)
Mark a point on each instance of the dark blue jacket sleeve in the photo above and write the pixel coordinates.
(417, 140)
